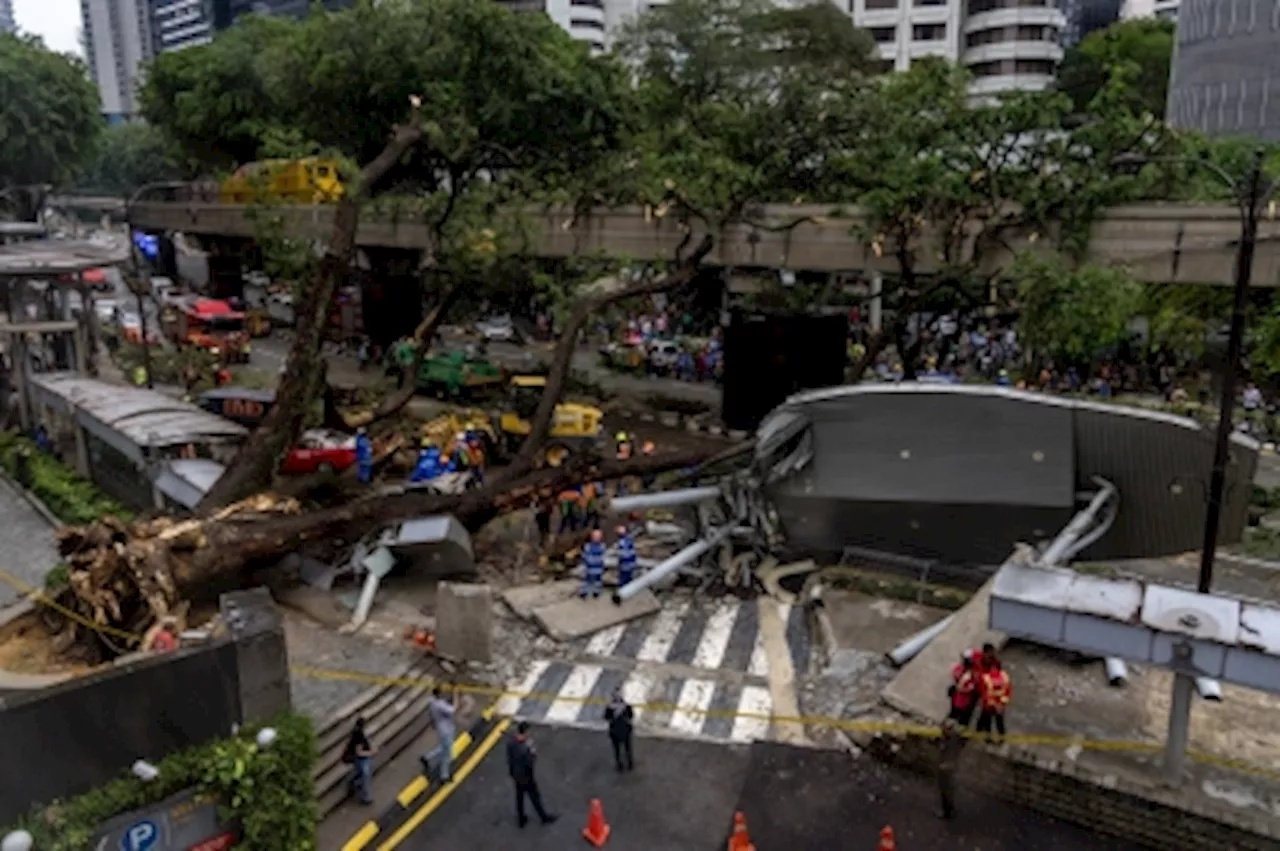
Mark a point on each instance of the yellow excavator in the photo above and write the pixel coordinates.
(575, 426)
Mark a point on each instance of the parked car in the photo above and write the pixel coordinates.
(320, 451)
(498, 329)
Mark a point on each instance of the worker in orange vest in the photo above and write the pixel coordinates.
(963, 692)
(994, 693)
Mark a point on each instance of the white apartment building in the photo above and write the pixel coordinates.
(7, 23)
(117, 40)
(1008, 45)
(1149, 9)
(176, 24)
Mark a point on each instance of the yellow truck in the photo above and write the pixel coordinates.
(311, 180)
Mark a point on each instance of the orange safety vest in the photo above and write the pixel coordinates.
(965, 688)
(996, 690)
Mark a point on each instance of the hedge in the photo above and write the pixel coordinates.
(267, 791)
(72, 499)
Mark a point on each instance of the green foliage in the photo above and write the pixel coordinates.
(127, 156)
(1144, 45)
(1068, 316)
(268, 791)
(49, 118)
(72, 500)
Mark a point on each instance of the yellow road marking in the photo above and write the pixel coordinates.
(442, 794)
(362, 838)
(415, 788)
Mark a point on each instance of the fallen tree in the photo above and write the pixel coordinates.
(123, 577)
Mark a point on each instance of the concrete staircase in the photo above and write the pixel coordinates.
(395, 717)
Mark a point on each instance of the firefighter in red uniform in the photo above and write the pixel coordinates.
(963, 692)
(994, 693)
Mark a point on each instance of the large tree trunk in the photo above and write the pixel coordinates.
(125, 577)
(254, 465)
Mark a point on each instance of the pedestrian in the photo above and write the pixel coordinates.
(994, 693)
(443, 715)
(963, 692)
(569, 498)
(621, 718)
(522, 758)
(542, 517)
(593, 565)
(364, 456)
(626, 557)
(359, 755)
(950, 746)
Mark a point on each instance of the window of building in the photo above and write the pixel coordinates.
(594, 4)
(884, 35)
(1034, 33)
(881, 4)
(882, 66)
(929, 32)
(1033, 66)
(929, 2)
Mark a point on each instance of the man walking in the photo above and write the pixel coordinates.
(994, 693)
(359, 755)
(950, 746)
(621, 718)
(443, 714)
(521, 761)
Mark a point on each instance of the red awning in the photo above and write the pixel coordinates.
(94, 276)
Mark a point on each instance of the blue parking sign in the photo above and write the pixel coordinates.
(141, 836)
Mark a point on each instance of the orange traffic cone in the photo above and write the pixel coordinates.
(597, 829)
(740, 841)
(887, 842)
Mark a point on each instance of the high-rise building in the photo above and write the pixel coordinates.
(1008, 45)
(1086, 16)
(7, 23)
(117, 40)
(176, 24)
(1150, 9)
(1225, 79)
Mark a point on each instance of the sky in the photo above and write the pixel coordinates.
(56, 21)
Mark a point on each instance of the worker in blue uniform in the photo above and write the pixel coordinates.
(593, 562)
(626, 557)
(428, 466)
(364, 456)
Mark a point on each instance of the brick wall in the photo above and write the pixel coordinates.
(1154, 816)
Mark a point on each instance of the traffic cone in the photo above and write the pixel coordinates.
(597, 829)
(740, 841)
(887, 842)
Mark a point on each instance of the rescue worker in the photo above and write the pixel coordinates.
(569, 498)
(963, 692)
(593, 564)
(590, 502)
(950, 747)
(647, 450)
(364, 456)
(461, 452)
(475, 448)
(428, 466)
(622, 445)
(626, 557)
(994, 693)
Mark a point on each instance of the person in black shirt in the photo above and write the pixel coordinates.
(521, 761)
(621, 718)
(359, 755)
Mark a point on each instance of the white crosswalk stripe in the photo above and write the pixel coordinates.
(651, 661)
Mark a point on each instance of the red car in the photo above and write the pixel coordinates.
(320, 451)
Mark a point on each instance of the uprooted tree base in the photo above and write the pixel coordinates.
(125, 577)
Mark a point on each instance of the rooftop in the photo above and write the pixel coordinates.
(46, 257)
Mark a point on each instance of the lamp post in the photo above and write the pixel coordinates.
(1250, 194)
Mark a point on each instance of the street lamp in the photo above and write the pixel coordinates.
(1250, 194)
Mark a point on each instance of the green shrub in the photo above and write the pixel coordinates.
(268, 791)
(72, 499)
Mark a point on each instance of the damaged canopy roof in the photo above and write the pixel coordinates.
(962, 473)
(48, 257)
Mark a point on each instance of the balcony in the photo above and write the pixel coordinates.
(1003, 83)
(1013, 50)
(1022, 15)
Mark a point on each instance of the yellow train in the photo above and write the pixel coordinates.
(312, 180)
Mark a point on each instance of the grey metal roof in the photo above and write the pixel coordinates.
(186, 481)
(22, 229)
(145, 417)
(43, 257)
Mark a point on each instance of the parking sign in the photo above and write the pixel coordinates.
(140, 836)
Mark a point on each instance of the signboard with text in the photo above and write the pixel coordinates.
(187, 821)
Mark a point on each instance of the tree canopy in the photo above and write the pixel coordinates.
(128, 156)
(1143, 44)
(50, 115)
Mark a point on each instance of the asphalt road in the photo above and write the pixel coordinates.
(683, 795)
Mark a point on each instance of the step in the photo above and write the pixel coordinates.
(395, 730)
(331, 744)
(338, 724)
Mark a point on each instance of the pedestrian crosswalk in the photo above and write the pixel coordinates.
(694, 669)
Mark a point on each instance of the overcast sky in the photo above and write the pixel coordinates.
(56, 21)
